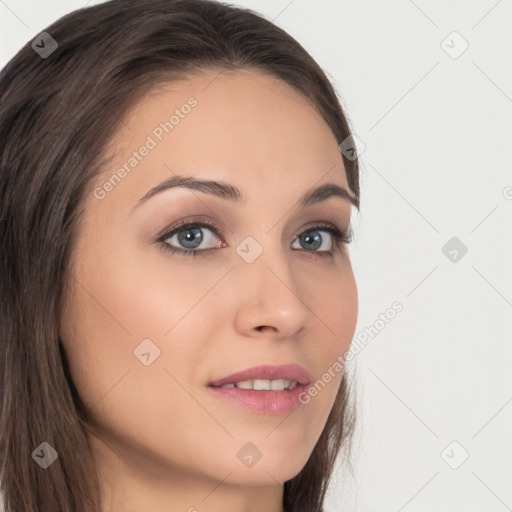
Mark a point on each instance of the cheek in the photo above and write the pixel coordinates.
(140, 297)
(125, 307)
(335, 308)
(117, 308)
(335, 311)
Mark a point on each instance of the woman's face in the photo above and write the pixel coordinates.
(146, 330)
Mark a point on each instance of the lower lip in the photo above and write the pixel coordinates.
(264, 402)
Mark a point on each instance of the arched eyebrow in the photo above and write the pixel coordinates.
(234, 194)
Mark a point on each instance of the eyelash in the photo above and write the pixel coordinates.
(340, 237)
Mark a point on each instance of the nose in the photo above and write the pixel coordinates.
(269, 298)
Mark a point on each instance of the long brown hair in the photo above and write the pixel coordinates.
(58, 112)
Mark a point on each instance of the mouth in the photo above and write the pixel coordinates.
(264, 376)
(261, 385)
(264, 389)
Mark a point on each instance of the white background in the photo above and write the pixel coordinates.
(437, 137)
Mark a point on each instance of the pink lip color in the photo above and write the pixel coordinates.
(264, 401)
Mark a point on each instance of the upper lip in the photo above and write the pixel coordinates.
(267, 372)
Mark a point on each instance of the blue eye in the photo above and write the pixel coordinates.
(190, 235)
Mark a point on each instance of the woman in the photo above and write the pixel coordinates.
(177, 295)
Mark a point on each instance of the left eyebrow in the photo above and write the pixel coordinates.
(232, 193)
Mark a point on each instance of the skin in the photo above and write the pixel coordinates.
(167, 444)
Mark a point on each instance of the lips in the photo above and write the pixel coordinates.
(290, 372)
(264, 389)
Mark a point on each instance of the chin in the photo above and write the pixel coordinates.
(264, 474)
(252, 466)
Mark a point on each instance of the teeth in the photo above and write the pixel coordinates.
(278, 384)
(263, 384)
(246, 384)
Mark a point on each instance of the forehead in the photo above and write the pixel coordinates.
(243, 127)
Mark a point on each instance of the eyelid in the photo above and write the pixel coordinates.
(340, 236)
(189, 222)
